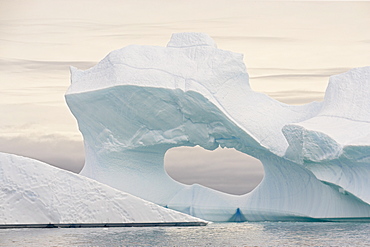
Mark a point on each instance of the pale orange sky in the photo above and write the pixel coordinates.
(290, 49)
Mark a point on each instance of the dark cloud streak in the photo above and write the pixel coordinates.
(226, 170)
(55, 150)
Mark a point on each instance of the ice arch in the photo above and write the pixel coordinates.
(223, 169)
(140, 101)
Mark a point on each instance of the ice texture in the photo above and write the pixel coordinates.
(140, 101)
(32, 192)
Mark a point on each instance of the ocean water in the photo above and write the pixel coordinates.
(216, 234)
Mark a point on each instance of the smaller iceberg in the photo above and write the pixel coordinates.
(32, 192)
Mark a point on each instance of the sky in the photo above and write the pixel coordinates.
(290, 49)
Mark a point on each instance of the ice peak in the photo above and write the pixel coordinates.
(180, 40)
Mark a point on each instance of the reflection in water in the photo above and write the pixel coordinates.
(220, 234)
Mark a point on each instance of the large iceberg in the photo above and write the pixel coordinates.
(140, 101)
(32, 192)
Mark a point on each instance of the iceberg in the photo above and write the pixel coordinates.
(140, 101)
(32, 192)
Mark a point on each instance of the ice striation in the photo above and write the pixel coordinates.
(32, 192)
(140, 101)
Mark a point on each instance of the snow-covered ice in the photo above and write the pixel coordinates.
(140, 101)
(32, 192)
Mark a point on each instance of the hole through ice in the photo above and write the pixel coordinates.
(224, 169)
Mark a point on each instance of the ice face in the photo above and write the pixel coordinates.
(140, 101)
(32, 192)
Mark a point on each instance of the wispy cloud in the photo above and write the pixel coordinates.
(274, 73)
(297, 97)
(253, 38)
(294, 93)
(40, 66)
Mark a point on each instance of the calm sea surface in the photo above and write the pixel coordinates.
(217, 234)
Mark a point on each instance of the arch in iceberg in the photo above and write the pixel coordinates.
(140, 101)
